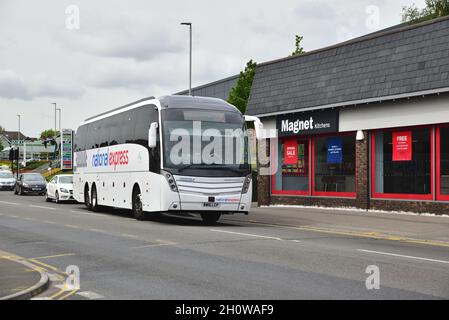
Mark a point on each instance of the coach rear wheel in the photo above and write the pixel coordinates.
(210, 217)
(137, 207)
(94, 205)
(87, 198)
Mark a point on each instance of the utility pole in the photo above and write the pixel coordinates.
(54, 103)
(18, 148)
(60, 138)
(190, 55)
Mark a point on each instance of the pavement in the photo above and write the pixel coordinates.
(274, 253)
(20, 279)
(430, 229)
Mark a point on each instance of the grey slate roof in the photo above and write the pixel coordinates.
(217, 89)
(398, 62)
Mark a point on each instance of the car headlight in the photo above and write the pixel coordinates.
(26, 185)
(170, 180)
(63, 190)
(246, 184)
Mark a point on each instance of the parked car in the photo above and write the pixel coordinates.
(30, 183)
(60, 188)
(7, 180)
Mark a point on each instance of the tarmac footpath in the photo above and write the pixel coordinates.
(20, 279)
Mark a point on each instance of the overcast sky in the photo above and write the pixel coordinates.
(127, 50)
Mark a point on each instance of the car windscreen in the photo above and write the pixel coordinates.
(65, 179)
(33, 177)
(6, 175)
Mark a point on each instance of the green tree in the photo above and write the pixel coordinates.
(433, 9)
(1, 132)
(240, 93)
(50, 133)
(298, 48)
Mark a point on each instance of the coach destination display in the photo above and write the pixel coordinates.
(310, 122)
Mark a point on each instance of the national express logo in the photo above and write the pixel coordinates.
(110, 159)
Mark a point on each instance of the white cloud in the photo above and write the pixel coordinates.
(13, 86)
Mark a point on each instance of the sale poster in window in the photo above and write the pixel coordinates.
(402, 146)
(290, 152)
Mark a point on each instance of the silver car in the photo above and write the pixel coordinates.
(7, 180)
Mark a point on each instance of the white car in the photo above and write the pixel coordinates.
(60, 188)
(7, 180)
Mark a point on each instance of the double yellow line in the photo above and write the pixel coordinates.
(44, 267)
(61, 276)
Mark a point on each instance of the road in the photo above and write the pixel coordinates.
(180, 258)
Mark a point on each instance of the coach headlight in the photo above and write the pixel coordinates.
(170, 180)
(246, 184)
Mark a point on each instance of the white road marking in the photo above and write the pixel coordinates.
(129, 235)
(295, 240)
(160, 244)
(6, 202)
(42, 207)
(246, 234)
(90, 295)
(94, 214)
(49, 222)
(402, 256)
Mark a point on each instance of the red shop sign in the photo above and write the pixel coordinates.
(291, 151)
(402, 146)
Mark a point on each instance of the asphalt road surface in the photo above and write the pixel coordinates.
(170, 257)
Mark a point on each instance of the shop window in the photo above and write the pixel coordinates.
(292, 175)
(334, 165)
(402, 161)
(443, 163)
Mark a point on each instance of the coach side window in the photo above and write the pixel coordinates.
(115, 129)
(81, 138)
(127, 127)
(103, 137)
(142, 124)
(89, 138)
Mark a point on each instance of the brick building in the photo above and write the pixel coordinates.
(364, 123)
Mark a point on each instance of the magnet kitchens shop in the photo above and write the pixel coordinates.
(364, 123)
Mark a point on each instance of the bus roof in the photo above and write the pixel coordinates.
(174, 101)
(193, 102)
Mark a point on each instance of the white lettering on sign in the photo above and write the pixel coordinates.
(297, 125)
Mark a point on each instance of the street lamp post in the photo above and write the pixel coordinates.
(60, 136)
(190, 55)
(18, 148)
(54, 103)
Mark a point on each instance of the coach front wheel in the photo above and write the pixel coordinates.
(137, 207)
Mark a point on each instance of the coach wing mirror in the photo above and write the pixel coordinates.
(152, 135)
(258, 126)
